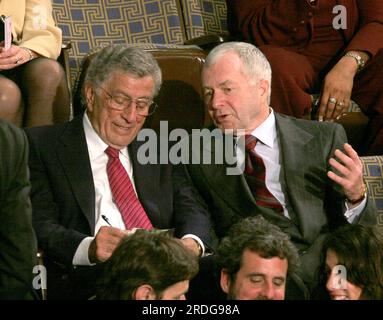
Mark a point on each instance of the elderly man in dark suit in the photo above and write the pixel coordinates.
(334, 47)
(299, 174)
(89, 188)
(18, 245)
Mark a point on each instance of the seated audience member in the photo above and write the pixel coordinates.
(298, 174)
(89, 186)
(332, 47)
(352, 265)
(32, 82)
(18, 246)
(147, 266)
(255, 259)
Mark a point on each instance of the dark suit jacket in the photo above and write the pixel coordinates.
(273, 21)
(314, 201)
(63, 196)
(18, 245)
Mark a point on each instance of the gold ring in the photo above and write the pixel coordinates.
(340, 103)
(332, 100)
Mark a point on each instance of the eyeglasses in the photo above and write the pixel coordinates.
(144, 106)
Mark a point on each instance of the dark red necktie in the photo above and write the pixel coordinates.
(124, 197)
(255, 174)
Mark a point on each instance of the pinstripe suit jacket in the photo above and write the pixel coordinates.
(315, 202)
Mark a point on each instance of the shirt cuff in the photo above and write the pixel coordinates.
(353, 213)
(194, 237)
(81, 257)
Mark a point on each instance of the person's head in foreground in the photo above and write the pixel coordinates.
(255, 259)
(352, 263)
(148, 266)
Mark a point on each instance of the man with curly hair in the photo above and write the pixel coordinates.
(255, 259)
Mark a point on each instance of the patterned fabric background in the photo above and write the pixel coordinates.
(204, 17)
(90, 23)
(373, 175)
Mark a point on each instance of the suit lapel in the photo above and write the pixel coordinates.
(74, 158)
(232, 189)
(299, 157)
(235, 193)
(147, 183)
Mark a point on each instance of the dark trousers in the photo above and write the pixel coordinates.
(76, 284)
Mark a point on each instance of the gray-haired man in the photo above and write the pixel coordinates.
(89, 188)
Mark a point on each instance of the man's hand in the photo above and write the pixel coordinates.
(337, 88)
(350, 176)
(193, 245)
(104, 244)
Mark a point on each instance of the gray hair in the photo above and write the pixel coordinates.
(259, 236)
(255, 64)
(125, 59)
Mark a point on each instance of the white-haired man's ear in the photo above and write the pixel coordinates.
(264, 86)
(90, 93)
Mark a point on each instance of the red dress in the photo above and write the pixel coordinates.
(302, 46)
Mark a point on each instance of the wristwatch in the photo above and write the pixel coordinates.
(362, 196)
(359, 60)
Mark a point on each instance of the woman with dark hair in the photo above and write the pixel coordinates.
(352, 263)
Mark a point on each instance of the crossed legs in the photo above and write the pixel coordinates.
(42, 86)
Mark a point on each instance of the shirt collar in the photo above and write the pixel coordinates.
(266, 132)
(96, 146)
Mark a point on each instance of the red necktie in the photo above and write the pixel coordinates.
(255, 174)
(124, 197)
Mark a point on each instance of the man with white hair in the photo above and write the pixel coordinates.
(300, 175)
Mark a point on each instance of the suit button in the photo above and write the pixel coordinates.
(295, 29)
(303, 22)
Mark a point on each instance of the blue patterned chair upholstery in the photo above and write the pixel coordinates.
(90, 23)
(204, 22)
(373, 176)
(203, 17)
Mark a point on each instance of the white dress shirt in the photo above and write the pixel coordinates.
(104, 204)
(268, 149)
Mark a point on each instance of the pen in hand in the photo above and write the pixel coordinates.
(105, 219)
